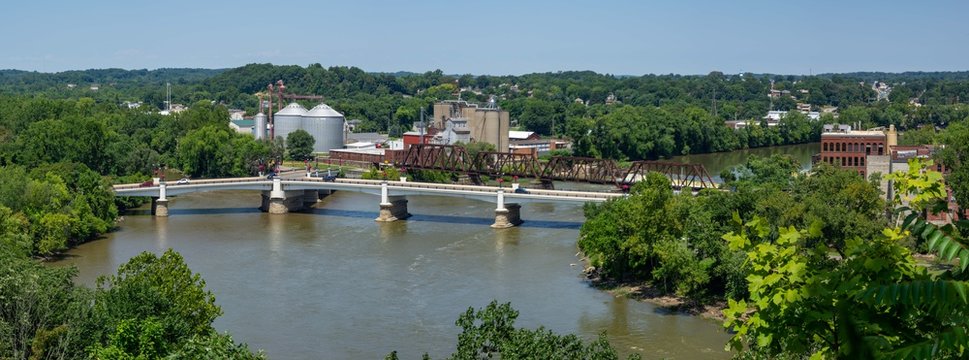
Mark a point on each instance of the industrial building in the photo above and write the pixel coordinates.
(326, 125)
(483, 124)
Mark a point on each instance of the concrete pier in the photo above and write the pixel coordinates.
(394, 209)
(285, 203)
(508, 217)
(159, 207)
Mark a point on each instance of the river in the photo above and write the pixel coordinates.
(717, 162)
(332, 283)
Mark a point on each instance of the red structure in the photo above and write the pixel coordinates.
(414, 137)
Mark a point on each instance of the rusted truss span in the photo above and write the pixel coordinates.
(680, 174)
(453, 158)
(590, 170)
(437, 157)
(457, 159)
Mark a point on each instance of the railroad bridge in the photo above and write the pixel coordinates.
(456, 159)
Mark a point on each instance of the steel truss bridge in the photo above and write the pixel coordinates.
(456, 159)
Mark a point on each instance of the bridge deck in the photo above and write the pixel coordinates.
(487, 193)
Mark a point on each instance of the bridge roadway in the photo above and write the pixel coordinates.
(281, 195)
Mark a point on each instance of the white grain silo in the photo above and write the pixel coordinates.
(288, 119)
(326, 125)
(260, 126)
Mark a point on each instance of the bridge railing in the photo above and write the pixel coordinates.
(192, 182)
(474, 188)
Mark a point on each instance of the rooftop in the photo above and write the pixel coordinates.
(520, 134)
(244, 123)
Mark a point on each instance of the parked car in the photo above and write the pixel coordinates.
(182, 181)
(148, 183)
(521, 190)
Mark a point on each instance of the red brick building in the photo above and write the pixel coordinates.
(848, 148)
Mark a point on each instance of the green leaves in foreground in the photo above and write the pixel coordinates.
(937, 238)
(491, 332)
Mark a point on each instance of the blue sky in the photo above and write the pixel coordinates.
(491, 37)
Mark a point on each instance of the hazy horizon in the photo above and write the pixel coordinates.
(501, 38)
(478, 74)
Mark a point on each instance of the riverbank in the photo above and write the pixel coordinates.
(646, 292)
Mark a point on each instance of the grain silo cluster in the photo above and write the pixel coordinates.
(325, 124)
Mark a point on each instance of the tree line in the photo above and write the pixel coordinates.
(569, 103)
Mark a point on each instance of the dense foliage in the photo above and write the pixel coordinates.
(872, 300)
(153, 308)
(52, 207)
(674, 241)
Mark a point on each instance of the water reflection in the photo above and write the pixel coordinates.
(390, 231)
(276, 231)
(506, 238)
(161, 233)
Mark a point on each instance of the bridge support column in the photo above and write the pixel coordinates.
(506, 215)
(392, 208)
(277, 199)
(159, 207)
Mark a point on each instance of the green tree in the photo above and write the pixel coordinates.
(299, 145)
(41, 311)
(614, 238)
(491, 331)
(203, 153)
(215, 347)
(160, 288)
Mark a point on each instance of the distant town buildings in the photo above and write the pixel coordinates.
(174, 109)
(777, 115)
(882, 90)
(611, 99)
(236, 114)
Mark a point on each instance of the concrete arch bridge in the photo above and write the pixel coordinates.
(282, 195)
